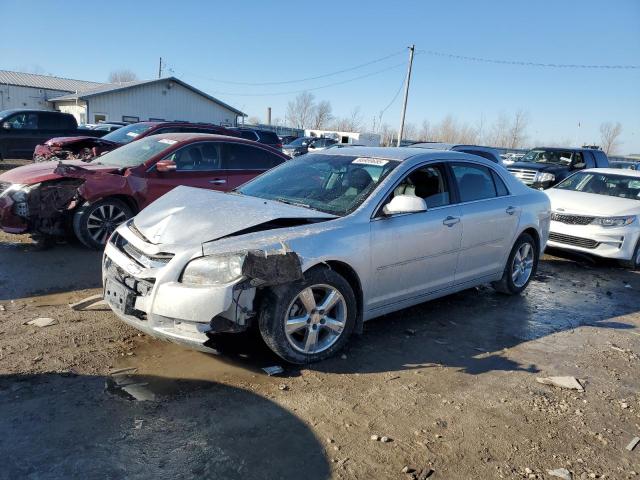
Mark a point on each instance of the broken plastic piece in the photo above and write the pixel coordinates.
(571, 383)
(633, 443)
(560, 473)
(42, 322)
(274, 370)
(87, 302)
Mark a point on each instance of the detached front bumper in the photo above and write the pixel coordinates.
(155, 302)
(616, 243)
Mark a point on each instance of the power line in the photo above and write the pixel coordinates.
(300, 80)
(313, 88)
(526, 63)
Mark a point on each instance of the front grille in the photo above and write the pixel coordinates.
(571, 240)
(143, 259)
(525, 176)
(572, 219)
(4, 186)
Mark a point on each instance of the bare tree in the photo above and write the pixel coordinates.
(410, 132)
(322, 115)
(609, 136)
(253, 120)
(517, 135)
(352, 123)
(426, 132)
(122, 76)
(300, 110)
(388, 135)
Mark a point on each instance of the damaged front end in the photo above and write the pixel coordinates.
(85, 149)
(41, 208)
(187, 300)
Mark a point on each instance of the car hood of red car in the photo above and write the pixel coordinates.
(45, 171)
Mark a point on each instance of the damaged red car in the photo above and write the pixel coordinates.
(89, 200)
(86, 148)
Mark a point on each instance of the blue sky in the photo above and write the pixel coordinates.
(259, 41)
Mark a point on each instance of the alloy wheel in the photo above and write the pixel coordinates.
(103, 221)
(315, 319)
(522, 265)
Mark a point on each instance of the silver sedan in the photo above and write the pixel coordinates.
(313, 248)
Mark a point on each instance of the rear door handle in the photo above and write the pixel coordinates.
(450, 221)
(511, 210)
(218, 181)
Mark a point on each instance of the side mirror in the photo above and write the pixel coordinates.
(405, 204)
(165, 166)
(6, 125)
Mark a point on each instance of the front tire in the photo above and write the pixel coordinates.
(310, 320)
(634, 262)
(521, 266)
(93, 223)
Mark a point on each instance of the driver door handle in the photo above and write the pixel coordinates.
(218, 181)
(511, 210)
(451, 221)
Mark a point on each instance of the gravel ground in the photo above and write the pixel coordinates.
(451, 383)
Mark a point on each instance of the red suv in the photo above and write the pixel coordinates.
(86, 147)
(90, 200)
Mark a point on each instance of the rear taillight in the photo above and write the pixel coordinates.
(278, 145)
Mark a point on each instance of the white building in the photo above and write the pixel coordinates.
(356, 138)
(28, 90)
(92, 102)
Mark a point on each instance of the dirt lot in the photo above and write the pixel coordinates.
(452, 383)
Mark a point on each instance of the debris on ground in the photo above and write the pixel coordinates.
(570, 383)
(274, 370)
(407, 469)
(410, 331)
(385, 439)
(283, 387)
(633, 443)
(138, 423)
(2, 308)
(343, 356)
(562, 473)
(426, 473)
(92, 301)
(129, 387)
(375, 438)
(42, 322)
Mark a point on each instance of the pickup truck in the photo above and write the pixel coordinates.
(543, 167)
(21, 130)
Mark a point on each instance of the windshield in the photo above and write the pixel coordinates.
(558, 157)
(603, 184)
(299, 141)
(335, 184)
(135, 153)
(128, 133)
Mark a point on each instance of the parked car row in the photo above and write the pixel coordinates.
(309, 248)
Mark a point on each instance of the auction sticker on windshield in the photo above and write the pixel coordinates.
(370, 161)
(168, 141)
(132, 134)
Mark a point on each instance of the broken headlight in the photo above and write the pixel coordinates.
(613, 221)
(214, 269)
(18, 192)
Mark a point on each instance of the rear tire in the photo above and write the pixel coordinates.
(309, 320)
(634, 262)
(521, 266)
(93, 223)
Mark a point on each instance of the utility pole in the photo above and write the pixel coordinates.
(160, 68)
(406, 94)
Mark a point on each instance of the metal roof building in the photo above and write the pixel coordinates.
(92, 102)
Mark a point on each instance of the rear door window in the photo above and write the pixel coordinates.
(197, 157)
(238, 156)
(475, 182)
(52, 121)
(24, 121)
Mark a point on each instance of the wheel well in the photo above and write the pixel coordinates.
(536, 238)
(123, 198)
(350, 276)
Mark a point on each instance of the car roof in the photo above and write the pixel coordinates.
(390, 153)
(187, 137)
(614, 171)
(448, 146)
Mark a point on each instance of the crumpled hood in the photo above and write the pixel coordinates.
(62, 141)
(45, 171)
(591, 203)
(188, 216)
